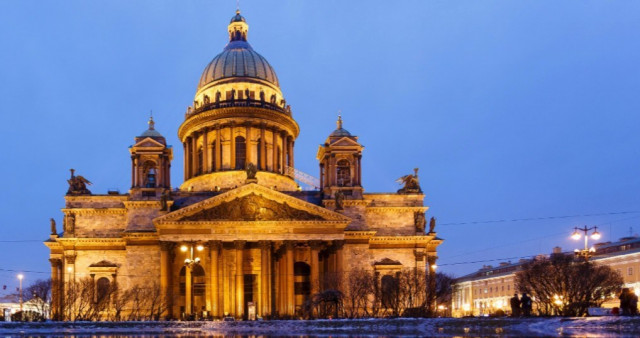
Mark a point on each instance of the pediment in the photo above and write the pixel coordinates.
(148, 142)
(252, 203)
(346, 142)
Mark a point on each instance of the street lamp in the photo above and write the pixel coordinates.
(189, 264)
(20, 277)
(577, 234)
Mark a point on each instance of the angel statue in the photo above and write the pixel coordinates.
(411, 183)
(78, 185)
(432, 225)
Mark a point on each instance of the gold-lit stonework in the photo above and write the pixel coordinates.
(239, 234)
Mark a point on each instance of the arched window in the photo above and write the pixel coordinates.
(149, 174)
(389, 291)
(343, 173)
(259, 152)
(102, 289)
(241, 152)
(200, 161)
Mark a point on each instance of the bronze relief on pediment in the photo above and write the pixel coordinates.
(252, 207)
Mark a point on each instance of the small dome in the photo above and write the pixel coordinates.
(151, 132)
(237, 17)
(340, 132)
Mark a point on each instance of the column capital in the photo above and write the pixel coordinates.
(71, 259)
(55, 262)
(215, 245)
(419, 255)
(167, 246)
(317, 245)
(289, 245)
(338, 244)
(265, 245)
(239, 244)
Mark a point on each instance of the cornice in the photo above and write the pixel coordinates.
(141, 204)
(212, 117)
(396, 209)
(84, 211)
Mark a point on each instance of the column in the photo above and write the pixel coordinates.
(284, 152)
(185, 165)
(263, 149)
(194, 155)
(321, 176)
(265, 251)
(218, 149)
(188, 155)
(55, 279)
(277, 284)
(206, 165)
(359, 170)
(316, 246)
(290, 246)
(165, 273)
(214, 250)
(274, 151)
(239, 246)
(133, 172)
(291, 153)
(187, 290)
(232, 152)
(249, 146)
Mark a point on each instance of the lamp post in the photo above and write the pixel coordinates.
(189, 263)
(586, 252)
(20, 277)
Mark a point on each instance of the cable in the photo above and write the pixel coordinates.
(540, 218)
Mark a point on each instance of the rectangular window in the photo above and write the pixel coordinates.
(630, 271)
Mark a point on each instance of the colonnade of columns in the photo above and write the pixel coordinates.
(205, 155)
(229, 265)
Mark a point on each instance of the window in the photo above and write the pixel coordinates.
(343, 173)
(149, 174)
(389, 290)
(241, 152)
(213, 155)
(200, 161)
(630, 271)
(102, 287)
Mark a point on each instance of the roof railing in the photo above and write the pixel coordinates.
(239, 103)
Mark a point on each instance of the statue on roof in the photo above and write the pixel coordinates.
(52, 222)
(78, 185)
(339, 198)
(432, 225)
(411, 183)
(251, 171)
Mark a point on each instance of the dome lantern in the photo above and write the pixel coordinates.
(238, 28)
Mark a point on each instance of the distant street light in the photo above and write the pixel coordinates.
(20, 277)
(586, 252)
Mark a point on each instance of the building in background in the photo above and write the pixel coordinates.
(239, 237)
(489, 289)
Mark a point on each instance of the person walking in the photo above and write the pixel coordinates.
(526, 305)
(625, 302)
(515, 305)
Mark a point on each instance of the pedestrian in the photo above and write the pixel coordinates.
(526, 304)
(633, 303)
(625, 302)
(515, 305)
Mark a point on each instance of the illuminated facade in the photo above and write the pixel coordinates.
(239, 234)
(490, 288)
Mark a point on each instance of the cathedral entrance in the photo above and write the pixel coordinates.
(302, 286)
(249, 287)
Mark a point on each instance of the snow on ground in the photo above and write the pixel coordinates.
(438, 327)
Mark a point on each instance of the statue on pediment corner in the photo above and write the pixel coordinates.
(251, 172)
(52, 222)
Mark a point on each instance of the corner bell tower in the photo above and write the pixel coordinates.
(341, 164)
(150, 163)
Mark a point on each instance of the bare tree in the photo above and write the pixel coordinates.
(157, 301)
(359, 289)
(39, 293)
(563, 285)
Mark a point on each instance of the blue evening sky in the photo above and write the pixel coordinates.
(511, 109)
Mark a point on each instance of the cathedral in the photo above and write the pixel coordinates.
(239, 237)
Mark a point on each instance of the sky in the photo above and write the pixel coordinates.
(522, 116)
